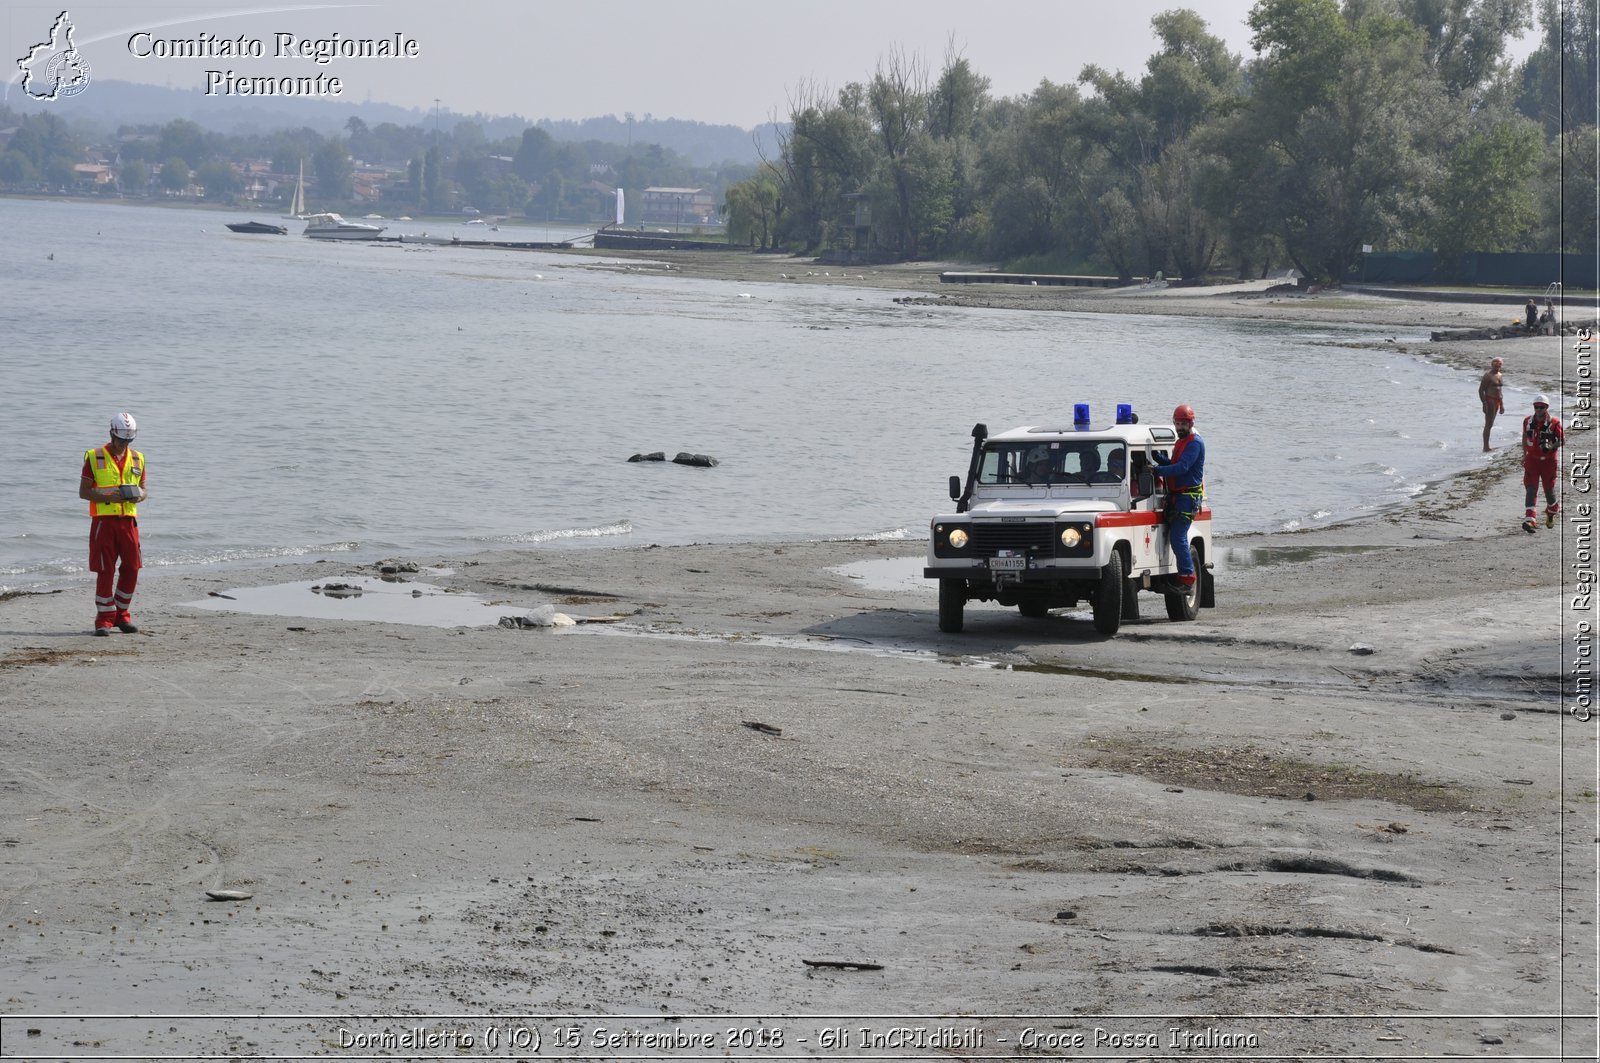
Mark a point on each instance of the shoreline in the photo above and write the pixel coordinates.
(762, 780)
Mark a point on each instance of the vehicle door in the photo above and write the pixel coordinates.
(1153, 544)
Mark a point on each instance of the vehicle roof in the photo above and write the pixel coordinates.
(1128, 433)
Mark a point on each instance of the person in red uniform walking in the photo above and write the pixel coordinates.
(1542, 437)
(113, 483)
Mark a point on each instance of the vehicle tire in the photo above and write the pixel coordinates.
(1033, 607)
(1108, 597)
(952, 604)
(1186, 606)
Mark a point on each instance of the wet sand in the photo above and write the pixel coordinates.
(1343, 813)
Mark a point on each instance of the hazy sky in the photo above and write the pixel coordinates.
(718, 61)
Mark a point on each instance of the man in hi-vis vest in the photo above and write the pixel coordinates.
(113, 485)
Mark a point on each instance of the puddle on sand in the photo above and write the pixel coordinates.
(385, 601)
(890, 574)
(1259, 556)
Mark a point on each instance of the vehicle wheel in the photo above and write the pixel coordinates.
(1108, 597)
(1033, 607)
(1186, 606)
(952, 603)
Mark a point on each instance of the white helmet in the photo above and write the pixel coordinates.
(1542, 400)
(123, 426)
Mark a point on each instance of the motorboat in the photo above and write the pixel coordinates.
(258, 227)
(330, 226)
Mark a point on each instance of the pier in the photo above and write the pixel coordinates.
(1057, 279)
(456, 241)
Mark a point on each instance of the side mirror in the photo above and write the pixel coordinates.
(955, 487)
(1146, 485)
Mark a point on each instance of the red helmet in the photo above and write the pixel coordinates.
(1183, 413)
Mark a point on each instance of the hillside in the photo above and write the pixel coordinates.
(115, 103)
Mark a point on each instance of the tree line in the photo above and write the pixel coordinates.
(1398, 124)
(531, 174)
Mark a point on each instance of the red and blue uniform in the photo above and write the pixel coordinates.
(1541, 439)
(1186, 479)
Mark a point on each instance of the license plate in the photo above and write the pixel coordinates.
(1007, 564)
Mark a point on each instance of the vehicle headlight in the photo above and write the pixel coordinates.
(958, 538)
(1071, 537)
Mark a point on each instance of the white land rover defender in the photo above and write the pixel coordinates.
(1051, 516)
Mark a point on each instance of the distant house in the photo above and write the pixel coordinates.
(93, 174)
(677, 206)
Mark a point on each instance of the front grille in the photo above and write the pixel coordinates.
(1037, 538)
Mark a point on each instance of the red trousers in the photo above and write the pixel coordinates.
(113, 540)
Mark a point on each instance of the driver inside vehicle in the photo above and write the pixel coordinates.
(1089, 465)
(1116, 467)
(1036, 469)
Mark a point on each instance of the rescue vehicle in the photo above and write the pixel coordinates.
(1053, 515)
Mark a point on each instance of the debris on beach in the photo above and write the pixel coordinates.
(543, 616)
(764, 728)
(844, 965)
(228, 895)
(338, 590)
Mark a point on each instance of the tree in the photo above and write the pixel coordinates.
(958, 98)
(1031, 177)
(17, 168)
(433, 197)
(825, 155)
(174, 174)
(1465, 40)
(897, 98)
(751, 208)
(1558, 80)
(1338, 135)
(218, 179)
(134, 177)
(361, 139)
(1486, 200)
(535, 155)
(331, 164)
(185, 140)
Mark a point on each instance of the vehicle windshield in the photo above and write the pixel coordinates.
(1078, 461)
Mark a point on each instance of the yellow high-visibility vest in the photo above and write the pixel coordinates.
(106, 474)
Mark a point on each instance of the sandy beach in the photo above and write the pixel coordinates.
(1345, 813)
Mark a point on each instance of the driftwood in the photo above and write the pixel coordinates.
(764, 728)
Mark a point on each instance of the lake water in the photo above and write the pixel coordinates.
(306, 398)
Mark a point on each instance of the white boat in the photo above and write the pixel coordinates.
(330, 226)
(297, 209)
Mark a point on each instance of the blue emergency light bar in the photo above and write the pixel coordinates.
(1125, 413)
(1080, 415)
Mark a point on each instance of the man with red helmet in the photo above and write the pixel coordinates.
(1186, 476)
(113, 485)
(1542, 437)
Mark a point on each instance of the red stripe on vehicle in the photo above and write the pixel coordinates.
(1135, 520)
